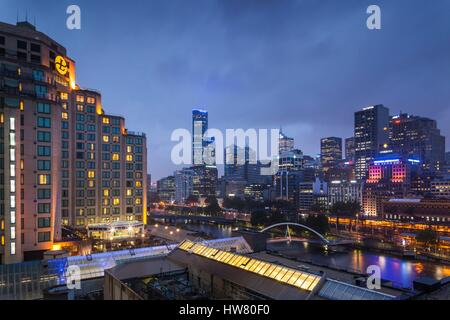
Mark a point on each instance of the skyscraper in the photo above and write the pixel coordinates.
(166, 189)
(64, 160)
(183, 184)
(350, 149)
(330, 151)
(418, 138)
(285, 143)
(199, 127)
(371, 133)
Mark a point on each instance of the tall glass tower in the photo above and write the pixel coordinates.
(199, 127)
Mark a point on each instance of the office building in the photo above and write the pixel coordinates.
(330, 152)
(204, 181)
(371, 133)
(312, 193)
(344, 191)
(183, 184)
(350, 149)
(285, 143)
(418, 138)
(199, 128)
(64, 160)
(166, 189)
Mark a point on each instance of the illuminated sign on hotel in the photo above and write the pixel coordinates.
(61, 65)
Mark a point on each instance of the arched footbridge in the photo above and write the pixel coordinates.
(322, 238)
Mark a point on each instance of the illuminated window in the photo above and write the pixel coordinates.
(90, 100)
(2, 118)
(65, 115)
(129, 149)
(138, 201)
(105, 138)
(105, 120)
(44, 179)
(116, 201)
(80, 98)
(115, 139)
(80, 107)
(129, 192)
(21, 105)
(115, 156)
(91, 183)
(129, 157)
(91, 174)
(138, 184)
(105, 192)
(3, 240)
(64, 96)
(21, 164)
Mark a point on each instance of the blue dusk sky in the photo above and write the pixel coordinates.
(304, 65)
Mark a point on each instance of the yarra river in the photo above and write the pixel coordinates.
(401, 272)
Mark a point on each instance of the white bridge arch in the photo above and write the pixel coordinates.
(297, 225)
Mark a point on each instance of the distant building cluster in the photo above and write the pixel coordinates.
(389, 157)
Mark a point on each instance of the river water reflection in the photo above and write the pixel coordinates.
(402, 272)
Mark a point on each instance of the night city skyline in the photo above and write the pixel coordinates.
(303, 66)
(225, 156)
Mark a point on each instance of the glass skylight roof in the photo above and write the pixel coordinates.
(299, 279)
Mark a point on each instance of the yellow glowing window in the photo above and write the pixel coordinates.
(21, 164)
(44, 179)
(20, 87)
(19, 71)
(105, 202)
(65, 115)
(115, 156)
(129, 157)
(129, 149)
(105, 210)
(80, 98)
(115, 139)
(129, 192)
(2, 118)
(80, 107)
(3, 225)
(21, 105)
(105, 120)
(90, 100)
(3, 240)
(105, 138)
(137, 201)
(116, 201)
(105, 192)
(91, 183)
(64, 96)
(91, 174)
(138, 184)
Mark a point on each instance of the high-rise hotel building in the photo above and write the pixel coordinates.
(63, 161)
